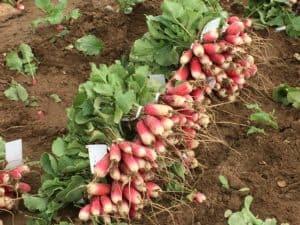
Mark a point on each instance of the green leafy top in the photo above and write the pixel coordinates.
(172, 32)
(127, 5)
(2, 150)
(22, 60)
(54, 12)
(246, 217)
(89, 45)
(287, 95)
(275, 13)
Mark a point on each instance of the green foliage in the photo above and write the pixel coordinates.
(128, 5)
(89, 45)
(54, 12)
(287, 95)
(275, 13)
(16, 92)
(22, 61)
(224, 182)
(172, 32)
(55, 98)
(262, 117)
(254, 130)
(246, 217)
(2, 151)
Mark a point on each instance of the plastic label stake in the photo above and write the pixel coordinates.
(14, 154)
(96, 153)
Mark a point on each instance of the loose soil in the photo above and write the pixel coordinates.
(257, 161)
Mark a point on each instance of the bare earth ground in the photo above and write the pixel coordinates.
(257, 162)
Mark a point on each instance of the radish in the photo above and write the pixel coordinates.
(20, 6)
(85, 214)
(4, 178)
(115, 172)
(102, 167)
(34, 81)
(181, 74)
(144, 133)
(250, 59)
(200, 197)
(134, 214)
(239, 80)
(60, 28)
(218, 59)
(23, 187)
(141, 163)
(138, 150)
(95, 206)
(116, 192)
(198, 94)
(132, 195)
(151, 155)
(233, 39)
(248, 23)
(130, 162)
(124, 179)
(174, 100)
(115, 153)
(123, 209)
(40, 114)
(186, 57)
(246, 38)
(19, 171)
(196, 69)
(2, 191)
(154, 125)
(211, 36)
(125, 146)
(235, 28)
(182, 89)
(106, 204)
(197, 49)
(167, 123)
(98, 189)
(233, 19)
(159, 146)
(153, 189)
(253, 69)
(158, 110)
(212, 48)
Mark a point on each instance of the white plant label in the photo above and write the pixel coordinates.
(212, 25)
(159, 78)
(96, 153)
(14, 153)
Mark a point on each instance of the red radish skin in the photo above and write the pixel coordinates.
(182, 89)
(116, 192)
(211, 36)
(218, 59)
(235, 28)
(106, 204)
(34, 81)
(98, 189)
(151, 155)
(174, 100)
(23, 187)
(144, 133)
(197, 49)
(200, 197)
(130, 162)
(186, 57)
(158, 110)
(154, 125)
(95, 206)
(60, 28)
(115, 153)
(85, 214)
(40, 115)
(153, 189)
(138, 150)
(198, 95)
(102, 167)
(159, 146)
(196, 70)
(132, 195)
(134, 214)
(233, 19)
(248, 23)
(20, 6)
(211, 48)
(19, 171)
(233, 39)
(125, 146)
(182, 73)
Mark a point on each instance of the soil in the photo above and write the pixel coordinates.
(258, 162)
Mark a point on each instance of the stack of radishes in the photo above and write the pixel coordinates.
(11, 186)
(220, 63)
(127, 170)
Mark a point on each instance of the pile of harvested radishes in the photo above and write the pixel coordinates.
(11, 186)
(219, 64)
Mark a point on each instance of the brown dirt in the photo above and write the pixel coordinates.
(261, 161)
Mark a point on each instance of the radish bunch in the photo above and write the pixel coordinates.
(11, 186)
(219, 64)
(128, 171)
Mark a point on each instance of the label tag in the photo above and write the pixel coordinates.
(14, 153)
(278, 29)
(96, 153)
(159, 78)
(212, 25)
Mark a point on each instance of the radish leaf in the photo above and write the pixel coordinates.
(17, 92)
(253, 130)
(34, 203)
(55, 98)
(89, 45)
(223, 180)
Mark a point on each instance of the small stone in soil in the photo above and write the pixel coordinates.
(281, 183)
